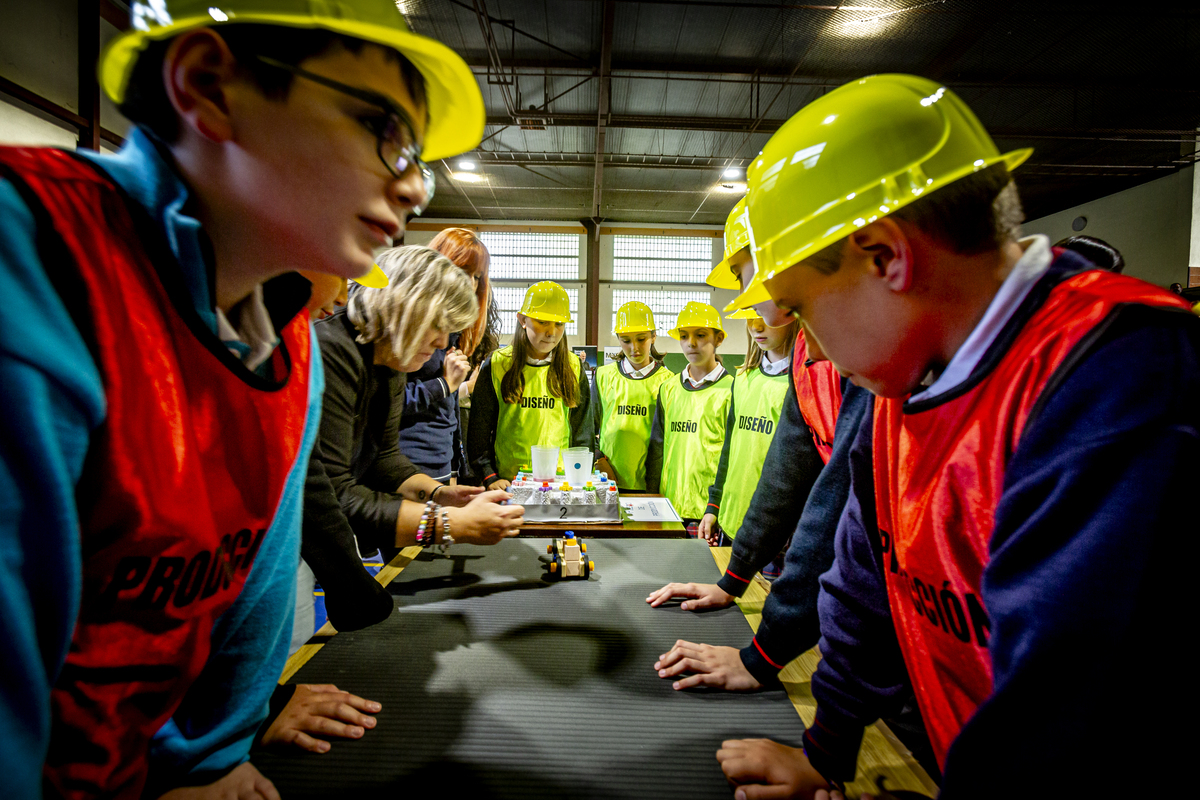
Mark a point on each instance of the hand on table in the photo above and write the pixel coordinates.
(761, 768)
(702, 596)
(456, 369)
(708, 530)
(484, 520)
(456, 496)
(320, 709)
(712, 666)
(243, 783)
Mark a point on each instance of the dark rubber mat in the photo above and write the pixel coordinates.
(495, 683)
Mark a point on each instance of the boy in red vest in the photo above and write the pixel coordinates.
(1010, 537)
(161, 383)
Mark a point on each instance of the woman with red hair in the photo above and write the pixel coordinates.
(430, 433)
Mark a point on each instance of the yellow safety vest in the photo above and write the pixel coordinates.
(628, 406)
(693, 434)
(757, 402)
(540, 417)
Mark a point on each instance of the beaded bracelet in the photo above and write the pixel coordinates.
(426, 528)
(447, 539)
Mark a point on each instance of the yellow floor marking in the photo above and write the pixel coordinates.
(327, 631)
(882, 754)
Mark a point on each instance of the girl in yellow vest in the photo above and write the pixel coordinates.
(758, 394)
(531, 392)
(626, 395)
(688, 431)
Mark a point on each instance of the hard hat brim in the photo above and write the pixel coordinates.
(755, 293)
(375, 279)
(456, 112)
(722, 277)
(634, 330)
(674, 332)
(545, 317)
(745, 313)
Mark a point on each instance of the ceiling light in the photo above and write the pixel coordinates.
(731, 187)
(468, 177)
(732, 172)
(467, 165)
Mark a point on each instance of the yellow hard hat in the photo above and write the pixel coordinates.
(547, 301)
(634, 317)
(846, 159)
(737, 236)
(696, 315)
(375, 279)
(456, 114)
(745, 313)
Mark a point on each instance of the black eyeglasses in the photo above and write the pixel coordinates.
(396, 142)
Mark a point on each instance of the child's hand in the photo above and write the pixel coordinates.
(715, 667)
(604, 467)
(322, 709)
(484, 520)
(243, 783)
(474, 377)
(456, 369)
(708, 530)
(500, 484)
(704, 595)
(458, 495)
(763, 769)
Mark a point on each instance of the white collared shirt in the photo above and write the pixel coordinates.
(628, 369)
(711, 377)
(775, 367)
(255, 338)
(539, 362)
(1025, 273)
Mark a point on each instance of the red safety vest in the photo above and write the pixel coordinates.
(939, 475)
(819, 392)
(181, 480)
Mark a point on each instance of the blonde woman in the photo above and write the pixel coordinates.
(360, 486)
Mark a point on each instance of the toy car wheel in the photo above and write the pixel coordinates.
(585, 569)
(583, 547)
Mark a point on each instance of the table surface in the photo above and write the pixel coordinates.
(448, 644)
(496, 683)
(627, 528)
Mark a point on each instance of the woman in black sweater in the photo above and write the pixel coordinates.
(360, 487)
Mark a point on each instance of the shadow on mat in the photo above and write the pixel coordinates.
(565, 653)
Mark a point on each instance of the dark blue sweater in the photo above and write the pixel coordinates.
(429, 431)
(1084, 586)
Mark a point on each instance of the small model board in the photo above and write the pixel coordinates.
(567, 558)
(558, 501)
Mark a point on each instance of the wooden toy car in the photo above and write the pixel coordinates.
(567, 558)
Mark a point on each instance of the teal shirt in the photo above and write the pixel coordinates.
(53, 399)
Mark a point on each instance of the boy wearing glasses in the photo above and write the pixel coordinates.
(162, 386)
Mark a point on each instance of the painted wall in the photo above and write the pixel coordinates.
(1150, 224)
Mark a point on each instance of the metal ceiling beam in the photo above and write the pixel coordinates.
(611, 160)
(742, 124)
(742, 73)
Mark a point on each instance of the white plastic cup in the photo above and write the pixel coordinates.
(545, 462)
(577, 463)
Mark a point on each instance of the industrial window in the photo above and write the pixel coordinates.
(662, 259)
(532, 256)
(508, 301)
(665, 304)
